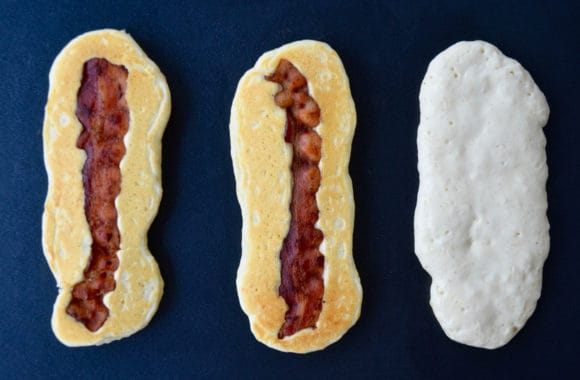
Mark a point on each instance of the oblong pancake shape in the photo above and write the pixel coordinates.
(481, 229)
(66, 237)
(261, 160)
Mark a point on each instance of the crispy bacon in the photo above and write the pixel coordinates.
(103, 111)
(302, 285)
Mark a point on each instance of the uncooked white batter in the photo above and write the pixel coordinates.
(481, 229)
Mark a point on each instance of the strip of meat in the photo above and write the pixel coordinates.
(302, 285)
(103, 111)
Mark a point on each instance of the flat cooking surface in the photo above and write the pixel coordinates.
(203, 49)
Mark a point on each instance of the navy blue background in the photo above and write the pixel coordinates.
(203, 49)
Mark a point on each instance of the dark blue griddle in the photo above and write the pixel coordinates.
(203, 49)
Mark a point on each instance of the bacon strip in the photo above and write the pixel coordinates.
(103, 111)
(302, 285)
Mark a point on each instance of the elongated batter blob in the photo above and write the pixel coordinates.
(481, 229)
(72, 225)
(262, 161)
